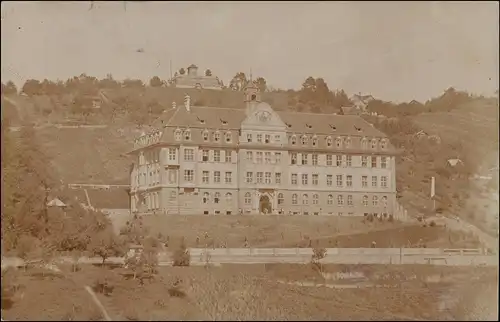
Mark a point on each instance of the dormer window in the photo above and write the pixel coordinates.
(187, 135)
(293, 140)
(358, 129)
(217, 136)
(333, 127)
(374, 143)
(329, 141)
(309, 126)
(200, 120)
(364, 143)
(304, 140)
(205, 136)
(347, 142)
(383, 144)
(249, 138)
(223, 122)
(338, 142)
(178, 135)
(267, 138)
(228, 137)
(315, 141)
(288, 125)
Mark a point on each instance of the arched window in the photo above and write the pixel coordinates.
(374, 143)
(217, 197)
(315, 141)
(217, 136)
(304, 139)
(187, 135)
(383, 144)
(281, 199)
(384, 201)
(206, 197)
(205, 136)
(293, 139)
(375, 201)
(347, 142)
(248, 198)
(330, 199)
(365, 201)
(229, 198)
(338, 142)
(178, 134)
(228, 137)
(294, 199)
(305, 199)
(315, 199)
(364, 143)
(329, 141)
(349, 200)
(340, 200)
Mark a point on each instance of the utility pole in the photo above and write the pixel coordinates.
(433, 193)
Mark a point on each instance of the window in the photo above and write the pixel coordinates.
(259, 157)
(304, 158)
(340, 200)
(187, 135)
(348, 160)
(330, 200)
(259, 138)
(260, 176)
(305, 199)
(229, 198)
(329, 180)
(383, 182)
(339, 180)
(347, 142)
(216, 176)
(248, 198)
(277, 178)
(364, 161)
(364, 143)
(228, 156)
(374, 143)
(374, 162)
(315, 159)
(229, 139)
(304, 179)
(172, 176)
(374, 181)
(294, 178)
(267, 157)
(364, 181)
(315, 141)
(383, 162)
(267, 178)
(172, 154)
(217, 197)
(249, 138)
(383, 144)
(384, 201)
(329, 141)
(188, 155)
(304, 140)
(365, 201)
(204, 177)
(217, 136)
(267, 138)
(338, 142)
(281, 199)
(205, 136)
(315, 179)
(348, 181)
(228, 177)
(277, 157)
(249, 177)
(204, 155)
(349, 200)
(339, 161)
(375, 201)
(189, 175)
(277, 138)
(206, 197)
(293, 158)
(249, 156)
(329, 159)
(178, 135)
(293, 140)
(294, 199)
(315, 199)
(216, 156)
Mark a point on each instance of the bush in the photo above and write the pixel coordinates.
(432, 223)
(182, 256)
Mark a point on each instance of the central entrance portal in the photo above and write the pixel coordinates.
(265, 205)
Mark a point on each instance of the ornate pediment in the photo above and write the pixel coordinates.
(262, 115)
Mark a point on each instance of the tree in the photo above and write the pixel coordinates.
(32, 87)
(238, 82)
(155, 82)
(261, 84)
(317, 256)
(208, 72)
(182, 71)
(9, 88)
(181, 256)
(106, 244)
(132, 83)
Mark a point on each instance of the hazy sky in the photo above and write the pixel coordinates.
(395, 51)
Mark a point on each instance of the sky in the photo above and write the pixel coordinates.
(395, 51)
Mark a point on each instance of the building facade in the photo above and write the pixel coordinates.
(207, 160)
(193, 80)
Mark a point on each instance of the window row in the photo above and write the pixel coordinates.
(264, 138)
(207, 198)
(339, 200)
(150, 178)
(216, 136)
(315, 180)
(149, 157)
(336, 160)
(264, 157)
(339, 142)
(263, 177)
(205, 177)
(152, 200)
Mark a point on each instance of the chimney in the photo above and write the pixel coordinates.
(174, 105)
(187, 103)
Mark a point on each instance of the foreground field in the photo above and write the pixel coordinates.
(264, 292)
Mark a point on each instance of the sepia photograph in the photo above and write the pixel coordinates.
(249, 160)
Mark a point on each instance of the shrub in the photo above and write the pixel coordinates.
(318, 254)
(432, 223)
(182, 256)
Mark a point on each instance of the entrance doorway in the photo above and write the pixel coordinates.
(265, 205)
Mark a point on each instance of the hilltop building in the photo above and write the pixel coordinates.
(210, 160)
(193, 80)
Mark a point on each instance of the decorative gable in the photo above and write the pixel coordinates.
(262, 116)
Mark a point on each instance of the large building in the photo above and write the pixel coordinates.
(193, 80)
(209, 160)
